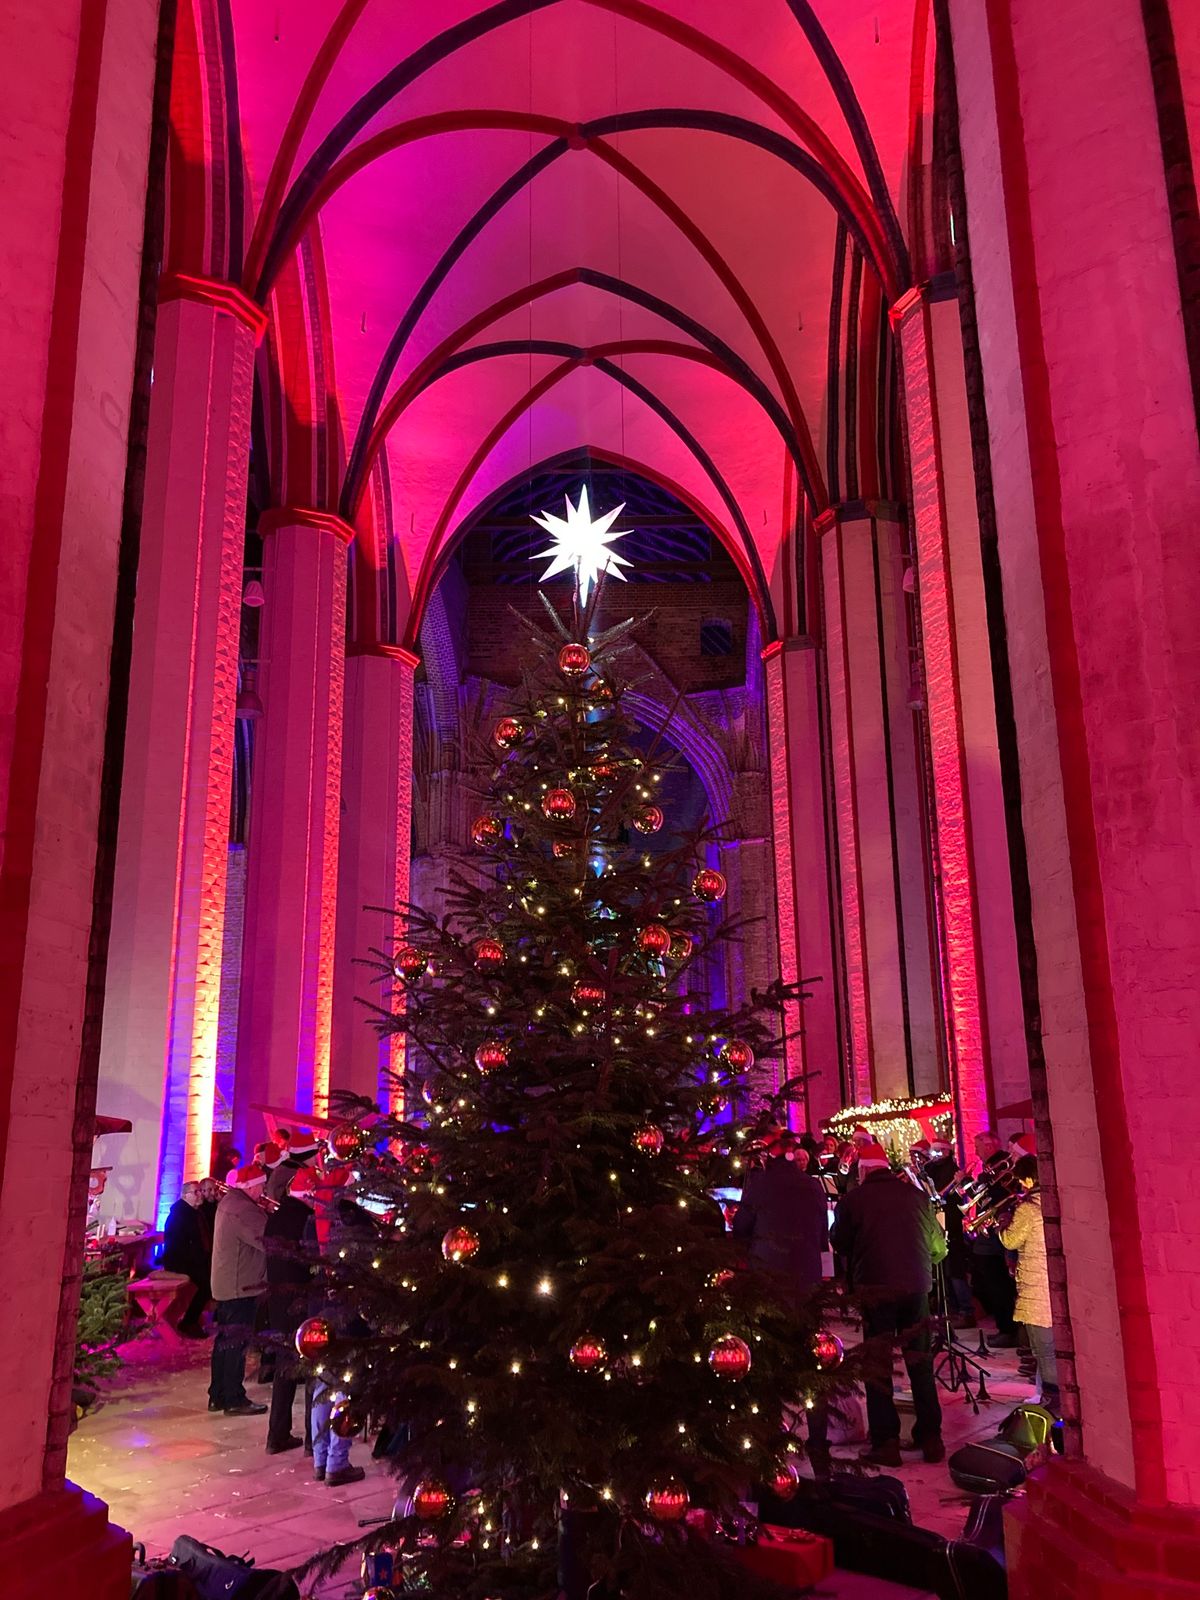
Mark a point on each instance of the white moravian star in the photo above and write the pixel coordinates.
(582, 544)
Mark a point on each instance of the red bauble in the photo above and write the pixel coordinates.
(492, 1053)
(588, 993)
(737, 1055)
(564, 849)
(346, 1420)
(605, 769)
(460, 1243)
(431, 1500)
(488, 953)
(828, 1350)
(411, 963)
(313, 1338)
(588, 1354)
(601, 689)
(574, 659)
(666, 1500)
(709, 885)
(486, 830)
(648, 1139)
(729, 1356)
(508, 732)
(347, 1141)
(713, 1103)
(648, 819)
(416, 1158)
(681, 946)
(654, 939)
(785, 1480)
(719, 1278)
(558, 805)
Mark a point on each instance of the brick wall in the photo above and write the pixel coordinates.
(672, 635)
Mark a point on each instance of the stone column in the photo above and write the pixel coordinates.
(158, 1064)
(375, 853)
(859, 1083)
(802, 869)
(904, 712)
(1008, 1059)
(966, 1022)
(75, 114)
(286, 1011)
(1096, 474)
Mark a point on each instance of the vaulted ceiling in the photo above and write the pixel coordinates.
(489, 235)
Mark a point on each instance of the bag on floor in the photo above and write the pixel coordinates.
(882, 1497)
(217, 1576)
(988, 1467)
(158, 1580)
(848, 1417)
(1029, 1428)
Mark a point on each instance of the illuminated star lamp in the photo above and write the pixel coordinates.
(581, 544)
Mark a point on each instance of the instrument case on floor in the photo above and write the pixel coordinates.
(216, 1576)
(158, 1580)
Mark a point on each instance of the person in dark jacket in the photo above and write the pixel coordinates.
(886, 1230)
(783, 1218)
(289, 1276)
(187, 1248)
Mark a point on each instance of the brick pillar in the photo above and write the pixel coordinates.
(286, 1011)
(375, 855)
(928, 462)
(1096, 466)
(158, 1065)
(802, 868)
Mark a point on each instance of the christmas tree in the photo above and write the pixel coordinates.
(558, 1317)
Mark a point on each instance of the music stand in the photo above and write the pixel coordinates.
(954, 1365)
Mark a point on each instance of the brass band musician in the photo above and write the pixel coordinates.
(1023, 1232)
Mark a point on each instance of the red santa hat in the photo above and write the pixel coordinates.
(1023, 1144)
(249, 1177)
(871, 1156)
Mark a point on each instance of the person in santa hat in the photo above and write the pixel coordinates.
(239, 1277)
(886, 1232)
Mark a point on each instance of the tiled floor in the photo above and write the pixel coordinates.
(166, 1466)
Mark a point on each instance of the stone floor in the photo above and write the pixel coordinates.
(166, 1466)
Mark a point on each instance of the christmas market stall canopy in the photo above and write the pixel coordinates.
(898, 1124)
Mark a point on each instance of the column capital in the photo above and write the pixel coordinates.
(226, 297)
(911, 300)
(280, 517)
(795, 641)
(387, 652)
(866, 511)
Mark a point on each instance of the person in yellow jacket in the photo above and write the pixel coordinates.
(1026, 1235)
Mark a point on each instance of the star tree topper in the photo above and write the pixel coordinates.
(582, 543)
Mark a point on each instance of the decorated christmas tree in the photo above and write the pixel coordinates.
(559, 1322)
